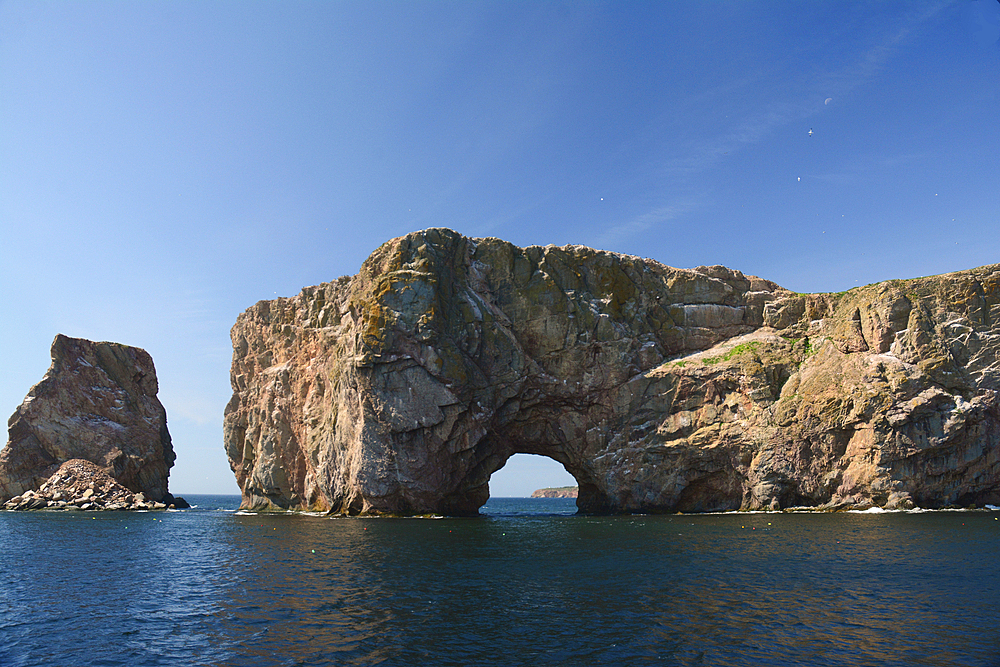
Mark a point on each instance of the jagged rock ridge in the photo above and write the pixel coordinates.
(97, 403)
(403, 388)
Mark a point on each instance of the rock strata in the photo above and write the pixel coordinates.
(97, 403)
(403, 388)
(559, 492)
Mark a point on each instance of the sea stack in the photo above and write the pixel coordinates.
(96, 409)
(403, 388)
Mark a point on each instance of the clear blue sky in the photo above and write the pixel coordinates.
(165, 165)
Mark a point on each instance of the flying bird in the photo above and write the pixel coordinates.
(810, 131)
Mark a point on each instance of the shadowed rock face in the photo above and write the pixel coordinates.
(402, 389)
(97, 402)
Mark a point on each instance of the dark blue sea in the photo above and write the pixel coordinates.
(528, 583)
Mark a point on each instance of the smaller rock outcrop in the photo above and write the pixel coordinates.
(558, 492)
(97, 403)
(81, 485)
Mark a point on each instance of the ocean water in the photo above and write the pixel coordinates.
(529, 583)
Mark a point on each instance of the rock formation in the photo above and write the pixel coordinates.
(403, 388)
(558, 492)
(81, 485)
(97, 402)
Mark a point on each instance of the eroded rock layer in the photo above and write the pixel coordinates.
(97, 402)
(403, 388)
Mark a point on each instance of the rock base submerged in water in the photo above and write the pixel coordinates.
(403, 388)
(97, 403)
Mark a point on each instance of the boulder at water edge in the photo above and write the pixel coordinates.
(403, 388)
(96, 403)
(81, 485)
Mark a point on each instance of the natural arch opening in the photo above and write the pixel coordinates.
(523, 474)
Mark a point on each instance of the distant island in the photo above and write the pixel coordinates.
(557, 492)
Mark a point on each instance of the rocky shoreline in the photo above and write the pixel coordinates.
(80, 485)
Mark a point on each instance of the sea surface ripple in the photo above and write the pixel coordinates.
(529, 583)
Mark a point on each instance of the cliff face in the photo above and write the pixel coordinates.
(404, 388)
(97, 402)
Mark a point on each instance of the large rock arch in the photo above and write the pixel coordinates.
(403, 388)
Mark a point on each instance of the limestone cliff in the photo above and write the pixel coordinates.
(403, 388)
(97, 402)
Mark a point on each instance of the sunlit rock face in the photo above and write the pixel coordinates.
(403, 388)
(97, 402)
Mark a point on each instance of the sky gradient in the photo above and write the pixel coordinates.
(165, 165)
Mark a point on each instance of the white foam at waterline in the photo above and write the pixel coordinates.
(807, 511)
